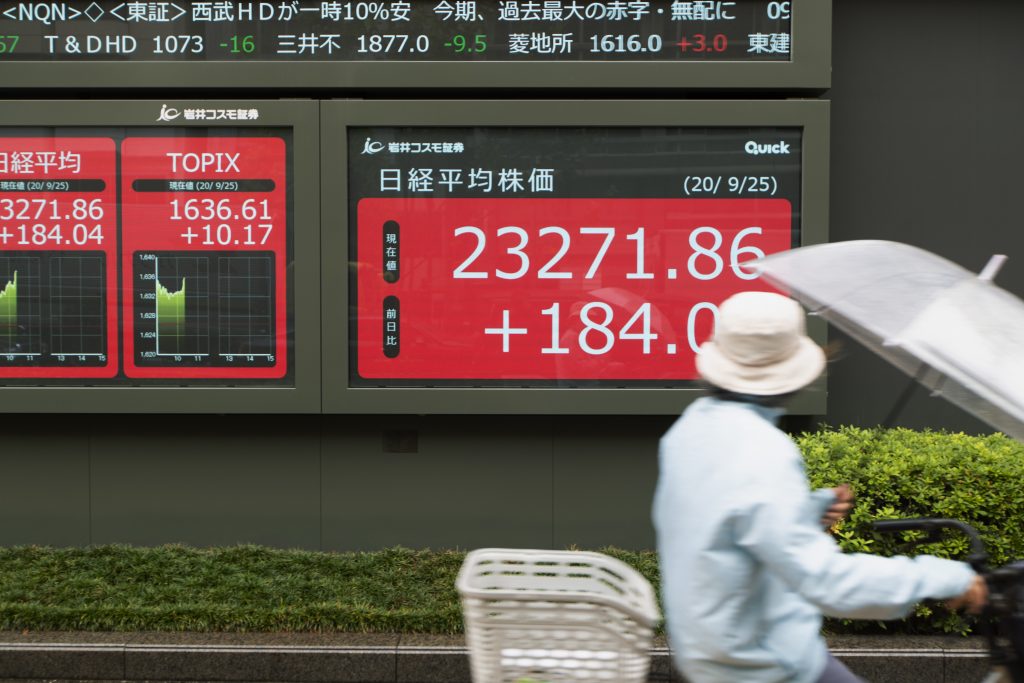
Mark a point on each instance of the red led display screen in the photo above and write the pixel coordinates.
(556, 257)
(205, 253)
(138, 256)
(58, 257)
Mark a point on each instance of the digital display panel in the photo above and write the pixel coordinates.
(399, 31)
(58, 257)
(205, 251)
(556, 256)
(137, 256)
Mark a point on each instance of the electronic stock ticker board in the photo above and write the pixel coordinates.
(529, 244)
(404, 44)
(539, 246)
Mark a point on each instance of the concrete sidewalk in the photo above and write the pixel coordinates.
(393, 658)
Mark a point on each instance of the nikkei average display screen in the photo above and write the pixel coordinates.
(136, 256)
(556, 257)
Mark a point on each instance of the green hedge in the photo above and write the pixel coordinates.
(894, 474)
(900, 473)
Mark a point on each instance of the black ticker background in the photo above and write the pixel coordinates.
(658, 30)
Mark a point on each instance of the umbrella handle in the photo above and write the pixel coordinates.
(904, 398)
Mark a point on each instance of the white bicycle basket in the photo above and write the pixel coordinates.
(547, 616)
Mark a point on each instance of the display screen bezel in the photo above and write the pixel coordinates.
(811, 116)
(301, 393)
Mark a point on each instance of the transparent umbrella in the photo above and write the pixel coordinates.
(953, 330)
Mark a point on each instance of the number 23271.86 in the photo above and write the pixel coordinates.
(704, 262)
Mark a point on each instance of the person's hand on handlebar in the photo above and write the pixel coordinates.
(972, 600)
(840, 508)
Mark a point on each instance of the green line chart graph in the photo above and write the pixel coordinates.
(182, 314)
(170, 312)
(209, 308)
(20, 308)
(9, 307)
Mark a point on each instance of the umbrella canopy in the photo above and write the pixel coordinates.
(952, 330)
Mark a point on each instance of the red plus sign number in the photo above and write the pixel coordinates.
(699, 42)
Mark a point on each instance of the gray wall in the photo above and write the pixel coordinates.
(332, 483)
(927, 146)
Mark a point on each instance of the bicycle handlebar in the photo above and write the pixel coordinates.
(1002, 621)
(977, 558)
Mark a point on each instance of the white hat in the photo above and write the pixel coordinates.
(760, 347)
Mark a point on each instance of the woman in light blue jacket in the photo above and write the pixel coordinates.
(747, 570)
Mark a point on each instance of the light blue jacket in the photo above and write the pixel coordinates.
(747, 570)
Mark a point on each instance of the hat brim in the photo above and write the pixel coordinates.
(789, 375)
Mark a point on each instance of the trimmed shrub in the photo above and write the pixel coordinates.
(900, 473)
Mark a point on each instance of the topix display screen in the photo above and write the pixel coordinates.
(554, 256)
(134, 256)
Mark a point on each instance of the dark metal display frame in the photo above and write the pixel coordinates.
(812, 116)
(226, 396)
